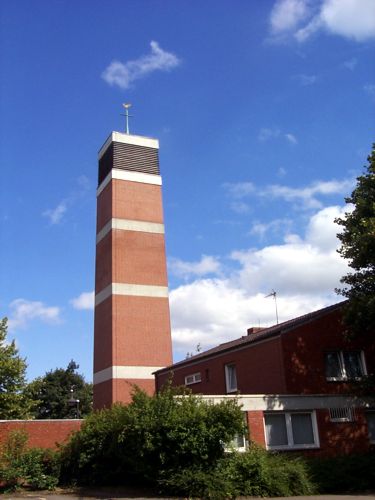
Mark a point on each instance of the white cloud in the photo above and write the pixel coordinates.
(306, 80)
(240, 207)
(239, 189)
(353, 19)
(307, 31)
(369, 88)
(349, 18)
(183, 269)
(291, 138)
(303, 271)
(281, 172)
(350, 64)
(55, 215)
(319, 231)
(124, 74)
(23, 311)
(260, 229)
(286, 15)
(265, 134)
(84, 301)
(306, 197)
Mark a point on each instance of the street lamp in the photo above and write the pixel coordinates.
(73, 402)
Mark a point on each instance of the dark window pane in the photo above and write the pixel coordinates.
(276, 430)
(333, 365)
(371, 425)
(302, 428)
(353, 364)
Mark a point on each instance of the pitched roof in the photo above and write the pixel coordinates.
(272, 331)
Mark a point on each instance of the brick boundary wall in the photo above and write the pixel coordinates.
(41, 433)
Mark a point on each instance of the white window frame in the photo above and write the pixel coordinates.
(233, 444)
(289, 430)
(234, 447)
(343, 376)
(228, 367)
(193, 378)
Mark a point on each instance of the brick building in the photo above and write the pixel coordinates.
(294, 381)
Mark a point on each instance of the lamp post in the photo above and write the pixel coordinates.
(73, 402)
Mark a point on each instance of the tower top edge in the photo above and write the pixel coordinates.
(137, 140)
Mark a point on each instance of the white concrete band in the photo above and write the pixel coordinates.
(130, 225)
(136, 140)
(132, 290)
(125, 372)
(128, 175)
(277, 402)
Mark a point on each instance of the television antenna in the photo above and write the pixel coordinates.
(273, 294)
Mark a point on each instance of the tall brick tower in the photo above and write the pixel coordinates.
(132, 336)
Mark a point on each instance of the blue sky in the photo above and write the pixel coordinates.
(265, 115)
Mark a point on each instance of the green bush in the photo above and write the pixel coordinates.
(253, 473)
(137, 442)
(196, 482)
(19, 466)
(351, 473)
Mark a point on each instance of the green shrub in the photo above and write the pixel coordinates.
(344, 474)
(178, 445)
(253, 473)
(195, 482)
(19, 466)
(137, 442)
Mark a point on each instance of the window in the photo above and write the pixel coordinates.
(239, 442)
(370, 417)
(193, 379)
(344, 365)
(231, 378)
(291, 430)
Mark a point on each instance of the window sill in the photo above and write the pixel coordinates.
(343, 379)
(292, 448)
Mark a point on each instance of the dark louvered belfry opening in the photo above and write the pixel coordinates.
(128, 157)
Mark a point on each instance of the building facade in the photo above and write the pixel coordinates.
(293, 380)
(132, 335)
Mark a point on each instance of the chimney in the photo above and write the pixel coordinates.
(254, 329)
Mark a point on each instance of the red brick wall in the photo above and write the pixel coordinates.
(42, 433)
(342, 438)
(336, 438)
(255, 425)
(257, 373)
(304, 352)
(130, 330)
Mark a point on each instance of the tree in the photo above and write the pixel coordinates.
(14, 402)
(358, 246)
(58, 391)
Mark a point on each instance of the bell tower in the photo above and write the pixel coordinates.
(132, 335)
